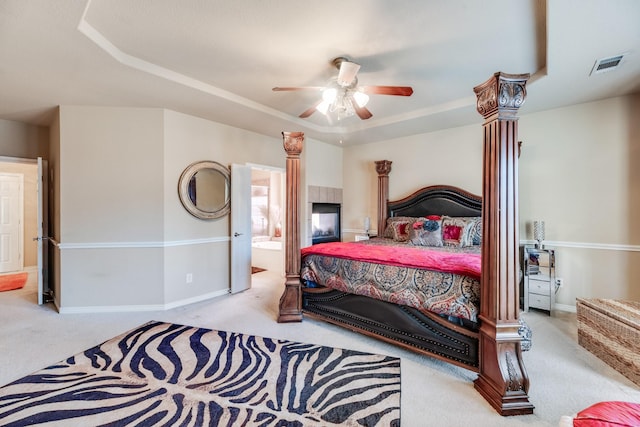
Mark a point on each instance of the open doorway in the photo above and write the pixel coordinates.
(267, 218)
(19, 182)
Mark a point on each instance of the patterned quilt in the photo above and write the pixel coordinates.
(451, 291)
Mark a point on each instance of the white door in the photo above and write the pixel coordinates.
(240, 228)
(43, 231)
(11, 228)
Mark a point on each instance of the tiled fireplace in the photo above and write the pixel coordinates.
(325, 222)
(324, 219)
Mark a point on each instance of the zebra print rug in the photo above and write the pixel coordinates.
(166, 374)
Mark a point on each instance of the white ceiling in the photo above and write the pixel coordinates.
(219, 59)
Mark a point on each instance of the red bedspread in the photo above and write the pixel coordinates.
(467, 264)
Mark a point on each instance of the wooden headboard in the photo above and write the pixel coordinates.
(437, 200)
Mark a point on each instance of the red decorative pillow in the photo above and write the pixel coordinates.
(451, 235)
(401, 230)
(609, 414)
(453, 230)
(388, 231)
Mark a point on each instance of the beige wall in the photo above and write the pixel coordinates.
(323, 164)
(576, 172)
(22, 140)
(111, 189)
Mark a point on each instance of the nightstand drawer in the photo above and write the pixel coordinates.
(540, 301)
(539, 287)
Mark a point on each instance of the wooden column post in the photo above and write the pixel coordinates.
(290, 309)
(502, 380)
(383, 167)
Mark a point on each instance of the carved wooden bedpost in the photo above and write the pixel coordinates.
(502, 380)
(290, 309)
(383, 167)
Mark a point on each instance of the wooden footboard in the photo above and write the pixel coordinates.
(400, 325)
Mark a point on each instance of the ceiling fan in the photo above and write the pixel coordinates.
(342, 96)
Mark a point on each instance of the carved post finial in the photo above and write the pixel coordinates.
(292, 142)
(383, 167)
(503, 93)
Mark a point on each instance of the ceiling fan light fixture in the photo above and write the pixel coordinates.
(329, 95)
(337, 102)
(323, 107)
(361, 98)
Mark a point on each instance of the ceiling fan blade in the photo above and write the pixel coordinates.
(362, 112)
(282, 89)
(347, 73)
(388, 90)
(309, 111)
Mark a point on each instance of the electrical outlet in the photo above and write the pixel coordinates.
(189, 277)
(559, 283)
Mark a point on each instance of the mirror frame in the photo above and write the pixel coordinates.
(183, 189)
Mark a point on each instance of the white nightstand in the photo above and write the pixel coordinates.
(539, 279)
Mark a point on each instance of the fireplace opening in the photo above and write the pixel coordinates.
(325, 222)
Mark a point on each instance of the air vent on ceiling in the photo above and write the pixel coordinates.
(607, 64)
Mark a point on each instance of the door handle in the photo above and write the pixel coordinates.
(35, 239)
(236, 234)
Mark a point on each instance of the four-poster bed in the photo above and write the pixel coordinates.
(490, 344)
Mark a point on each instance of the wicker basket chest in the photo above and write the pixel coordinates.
(610, 329)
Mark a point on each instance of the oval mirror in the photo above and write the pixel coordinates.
(204, 189)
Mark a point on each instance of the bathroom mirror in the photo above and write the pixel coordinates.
(204, 189)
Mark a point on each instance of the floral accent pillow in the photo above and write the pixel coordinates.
(401, 230)
(388, 231)
(453, 230)
(472, 234)
(427, 231)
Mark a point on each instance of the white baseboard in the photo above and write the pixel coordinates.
(110, 309)
(565, 307)
(198, 298)
(139, 308)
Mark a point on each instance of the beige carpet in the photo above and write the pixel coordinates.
(565, 378)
